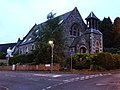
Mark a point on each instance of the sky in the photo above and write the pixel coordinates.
(17, 17)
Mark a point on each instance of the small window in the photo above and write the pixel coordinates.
(37, 30)
(75, 30)
(25, 40)
(60, 21)
(29, 39)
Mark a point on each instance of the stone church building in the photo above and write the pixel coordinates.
(80, 37)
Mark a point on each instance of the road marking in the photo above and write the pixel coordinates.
(82, 78)
(96, 75)
(49, 79)
(10, 75)
(60, 83)
(49, 87)
(56, 75)
(86, 77)
(73, 79)
(48, 75)
(100, 74)
(76, 79)
(100, 84)
(43, 89)
(91, 76)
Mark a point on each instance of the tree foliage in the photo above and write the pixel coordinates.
(98, 61)
(2, 55)
(22, 59)
(116, 28)
(51, 30)
(107, 31)
(111, 34)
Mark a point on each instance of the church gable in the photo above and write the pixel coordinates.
(91, 40)
(74, 26)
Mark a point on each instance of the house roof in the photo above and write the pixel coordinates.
(88, 31)
(4, 47)
(33, 34)
(91, 15)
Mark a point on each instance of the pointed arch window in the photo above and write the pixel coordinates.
(74, 30)
(97, 46)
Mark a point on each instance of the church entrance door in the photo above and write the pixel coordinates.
(82, 50)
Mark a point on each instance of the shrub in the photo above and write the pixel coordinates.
(104, 60)
(116, 60)
(83, 61)
(2, 64)
(22, 59)
(2, 55)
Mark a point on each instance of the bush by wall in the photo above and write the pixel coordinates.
(104, 61)
(22, 59)
(81, 61)
(116, 59)
(99, 61)
(2, 55)
(2, 64)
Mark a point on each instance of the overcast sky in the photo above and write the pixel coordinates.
(18, 16)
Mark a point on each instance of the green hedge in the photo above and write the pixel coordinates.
(99, 61)
(2, 55)
(2, 64)
(105, 61)
(22, 59)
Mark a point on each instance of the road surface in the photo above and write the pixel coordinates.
(26, 80)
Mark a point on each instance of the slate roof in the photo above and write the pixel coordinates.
(91, 15)
(4, 47)
(36, 29)
(29, 38)
(88, 31)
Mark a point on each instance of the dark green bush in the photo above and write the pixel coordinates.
(104, 60)
(112, 50)
(82, 61)
(2, 64)
(22, 59)
(2, 55)
(116, 60)
(99, 61)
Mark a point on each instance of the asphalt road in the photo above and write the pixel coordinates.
(19, 80)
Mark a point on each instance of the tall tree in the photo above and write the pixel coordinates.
(51, 30)
(106, 28)
(116, 28)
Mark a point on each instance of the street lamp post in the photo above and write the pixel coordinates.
(71, 64)
(52, 46)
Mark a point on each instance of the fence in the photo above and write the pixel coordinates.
(42, 67)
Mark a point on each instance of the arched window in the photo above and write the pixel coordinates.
(75, 30)
(97, 46)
